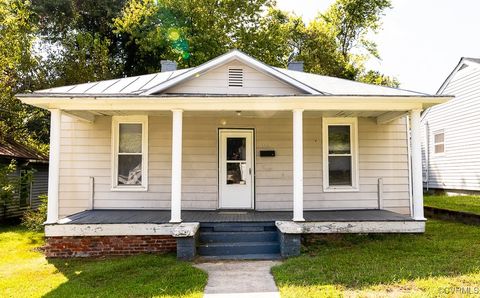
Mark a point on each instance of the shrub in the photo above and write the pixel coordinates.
(33, 219)
(8, 184)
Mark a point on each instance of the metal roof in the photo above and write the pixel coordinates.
(155, 84)
(15, 150)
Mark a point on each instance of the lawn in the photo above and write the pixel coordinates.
(442, 262)
(24, 272)
(456, 203)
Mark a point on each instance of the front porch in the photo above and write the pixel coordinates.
(219, 234)
(163, 216)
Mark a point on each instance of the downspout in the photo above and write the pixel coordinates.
(409, 153)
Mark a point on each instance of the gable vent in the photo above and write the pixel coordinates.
(235, 77)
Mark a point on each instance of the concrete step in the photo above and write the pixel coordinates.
(239, 248)
(261, 236)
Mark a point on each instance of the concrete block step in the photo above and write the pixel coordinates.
(260, 236)
(238, 248)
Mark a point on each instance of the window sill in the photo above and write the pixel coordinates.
(130, 189)
(341, 189)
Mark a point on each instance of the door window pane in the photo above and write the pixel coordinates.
(130, 140)
(129, 170)
(340, 170)
(339, 139)
(236, 173)
(236, 148)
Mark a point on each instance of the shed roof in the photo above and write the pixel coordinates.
(15, 150)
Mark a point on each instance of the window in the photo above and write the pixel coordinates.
(235, 77)
(340, 154)
(439, 142)
(130, 153)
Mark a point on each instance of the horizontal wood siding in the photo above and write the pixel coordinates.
(215, 81)
(86, 152)
(458, 168)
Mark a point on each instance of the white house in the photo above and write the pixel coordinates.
(230, 154)
(451, 133)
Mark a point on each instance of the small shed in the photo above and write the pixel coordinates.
(32, 174)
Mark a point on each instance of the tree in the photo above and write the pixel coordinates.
(337, 43)
(193, 32)
(352, 20)
(79, 40)
(17, 74)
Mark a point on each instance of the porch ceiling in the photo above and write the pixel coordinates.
(242, 114)
(382, 116)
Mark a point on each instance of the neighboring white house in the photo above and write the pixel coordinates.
(233, 133)
(451, 142)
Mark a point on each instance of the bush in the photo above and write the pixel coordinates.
(33, 219)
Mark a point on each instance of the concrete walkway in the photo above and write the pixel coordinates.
(240, 279)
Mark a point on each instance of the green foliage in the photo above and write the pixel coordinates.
(33, 219)
(8, 185)
(17, 64)
(193, 32)
(335, 40)
(376, 78)
(352, 20)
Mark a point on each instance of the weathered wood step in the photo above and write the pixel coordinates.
(239, 248)
(256, 236)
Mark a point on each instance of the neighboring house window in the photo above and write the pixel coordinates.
(130, 152)
(340, 154)
(439, 142)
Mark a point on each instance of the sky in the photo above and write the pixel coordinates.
(421, 41)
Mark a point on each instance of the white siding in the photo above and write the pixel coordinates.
(459, 167)
(86, 151)
(215, 81)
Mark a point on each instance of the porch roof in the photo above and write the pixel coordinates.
(163, 216)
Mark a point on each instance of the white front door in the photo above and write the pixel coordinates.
(236, 169)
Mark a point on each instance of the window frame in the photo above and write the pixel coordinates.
(435, 133)
(116, 121)
(352, 122)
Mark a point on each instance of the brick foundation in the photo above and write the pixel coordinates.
(96, 246)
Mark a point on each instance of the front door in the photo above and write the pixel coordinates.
(236, 169)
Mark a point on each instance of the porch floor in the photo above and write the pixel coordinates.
(163, 216)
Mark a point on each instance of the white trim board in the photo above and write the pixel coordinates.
(333, 227)
(73, 230)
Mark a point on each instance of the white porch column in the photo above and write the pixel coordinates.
(298, 165)
(416, 154)
(54, 165)
(176, 206)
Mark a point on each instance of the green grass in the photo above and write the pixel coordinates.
(456, 203)
(428, 265)
(24, 272)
